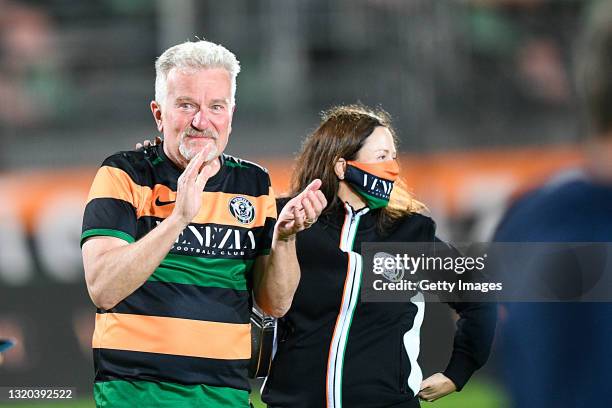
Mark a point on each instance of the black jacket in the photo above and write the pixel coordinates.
(334, 350)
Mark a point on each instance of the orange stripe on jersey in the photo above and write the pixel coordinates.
(111, 182)
(271, 211)
(216, 207)
(168, 335)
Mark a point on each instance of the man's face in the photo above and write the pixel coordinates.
(196, 113)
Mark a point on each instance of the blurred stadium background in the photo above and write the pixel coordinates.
(481, 93)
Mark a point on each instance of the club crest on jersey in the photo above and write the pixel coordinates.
(242, 209)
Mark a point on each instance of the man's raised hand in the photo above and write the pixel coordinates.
(301, 211)
(190, 185)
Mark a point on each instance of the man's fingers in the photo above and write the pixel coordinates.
(190, 172)
(193, 168)
(202, 178)
(147, 143)
(205, 151)
(204, 175)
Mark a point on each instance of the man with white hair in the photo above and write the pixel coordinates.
(176, 237)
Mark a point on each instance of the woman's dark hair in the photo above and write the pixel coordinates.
(341, 134)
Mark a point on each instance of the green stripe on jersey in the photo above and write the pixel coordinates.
(211, 272)
(234, 164)
(119, 393)
(107, 233)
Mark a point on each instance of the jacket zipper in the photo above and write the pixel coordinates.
(347, 308)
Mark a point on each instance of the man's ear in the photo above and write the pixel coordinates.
(340, 168)
(157, 115)
(229, 126)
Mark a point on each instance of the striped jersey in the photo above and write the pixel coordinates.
(183, 337)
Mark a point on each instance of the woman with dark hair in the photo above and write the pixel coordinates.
(332, 349)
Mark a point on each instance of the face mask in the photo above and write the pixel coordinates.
(372, 181)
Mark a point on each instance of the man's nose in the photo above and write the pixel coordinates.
(200, 121)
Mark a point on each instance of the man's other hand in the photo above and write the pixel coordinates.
(147, 143)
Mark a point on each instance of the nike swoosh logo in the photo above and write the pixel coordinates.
(159, 203)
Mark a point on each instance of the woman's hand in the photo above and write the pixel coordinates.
(300, 212)
(436, 386)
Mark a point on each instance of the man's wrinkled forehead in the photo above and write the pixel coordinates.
(183, 84)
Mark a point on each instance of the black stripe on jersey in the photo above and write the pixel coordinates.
(237, 161)
(131, 162)
(250, 180)
(132, 365)
(153, 167)
(265, 242)
(101, 212)
(188, 302)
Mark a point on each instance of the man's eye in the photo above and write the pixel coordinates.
(185, 105)
(218, 107)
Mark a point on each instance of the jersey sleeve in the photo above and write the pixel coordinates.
(112, 204)
(265, 243)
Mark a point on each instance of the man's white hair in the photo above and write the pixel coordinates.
(194, 55)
